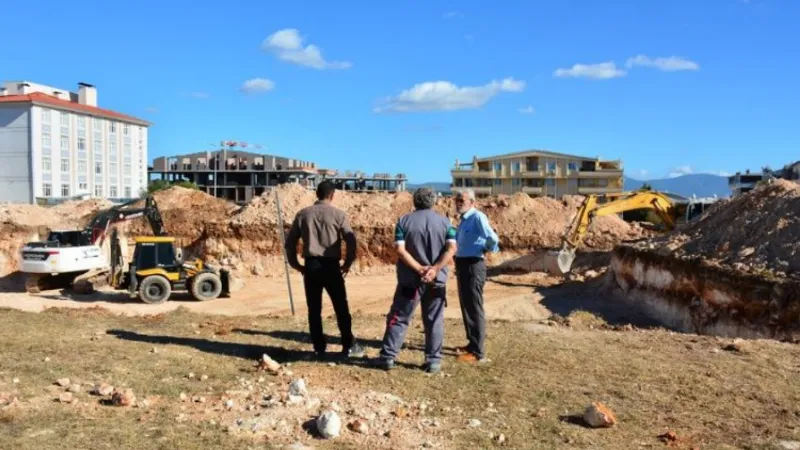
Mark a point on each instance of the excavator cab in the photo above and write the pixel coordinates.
(156, 271)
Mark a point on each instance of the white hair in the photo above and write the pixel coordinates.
(467, 193)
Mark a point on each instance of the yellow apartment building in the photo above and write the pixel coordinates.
(539, 173)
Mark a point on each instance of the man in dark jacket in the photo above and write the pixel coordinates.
(322, 228)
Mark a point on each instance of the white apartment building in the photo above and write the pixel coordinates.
(56, 144)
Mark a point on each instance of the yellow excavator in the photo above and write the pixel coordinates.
(592, 207)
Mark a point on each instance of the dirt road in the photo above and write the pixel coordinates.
(507, 297)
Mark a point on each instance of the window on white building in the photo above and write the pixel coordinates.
(98, 190)
(112, 147)
(127, 168)
(112, 127)
(46, 165)
(112, 192)
(81, 166)
(81, 122)
(46, 140)
(112, 168)
(47, 189)
(64, 165)
(126, 130)
(65, 119)
(45, 116)
(65, 190)
(127, 192)
(98, 167)
(81, 144)
(98, 124)
(83, 186)
(98, 146)
(64, 143)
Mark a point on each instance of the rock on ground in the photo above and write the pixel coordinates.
(123, 397)
(598, 415)
(329, 424)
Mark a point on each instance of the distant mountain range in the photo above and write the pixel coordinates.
(699, 184)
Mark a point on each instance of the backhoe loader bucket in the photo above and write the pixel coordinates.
(558, 263)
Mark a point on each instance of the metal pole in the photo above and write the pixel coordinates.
(283, 246)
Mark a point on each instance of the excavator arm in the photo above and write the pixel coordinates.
(99, 224)
(591, 208)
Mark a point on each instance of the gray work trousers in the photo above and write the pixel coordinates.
(406, 298)
(471, 277)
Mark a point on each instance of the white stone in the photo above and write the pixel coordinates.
(298, 387)
(789, 445)
(329, 424)
(474, 423)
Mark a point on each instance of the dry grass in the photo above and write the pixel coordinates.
(539, 375)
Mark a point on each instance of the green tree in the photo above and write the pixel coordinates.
(647, 187)
(158, 185)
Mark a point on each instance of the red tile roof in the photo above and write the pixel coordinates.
(40, 98)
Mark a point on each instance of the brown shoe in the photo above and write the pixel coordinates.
(467, 358)
(460, 350)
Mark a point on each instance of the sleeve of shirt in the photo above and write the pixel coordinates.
(492, 240)
(399, 234)
(291, 242)
(451, 233)
(349, 238)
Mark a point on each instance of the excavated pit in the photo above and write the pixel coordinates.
(694, 296)
(733, 273)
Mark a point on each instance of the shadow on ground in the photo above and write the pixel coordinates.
(13, 282)
(594, 297)
(235, 349)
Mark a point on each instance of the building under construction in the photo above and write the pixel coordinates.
(239, 176)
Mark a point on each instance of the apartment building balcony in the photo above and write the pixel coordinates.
(530, 190)
(463, 173)
(599, 190)
(606, 173)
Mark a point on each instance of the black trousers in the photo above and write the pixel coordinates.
(471, 277)
(324, 273)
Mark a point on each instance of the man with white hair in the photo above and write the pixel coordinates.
(475, 237)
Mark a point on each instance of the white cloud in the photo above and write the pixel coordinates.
(200, 95)
(446, 96)
(453, 15)
(151, 109)
(287, 45)
(600, 71)
(641, 174)
(257, 85)
(680, 171)
(527, 110)
(665, 64)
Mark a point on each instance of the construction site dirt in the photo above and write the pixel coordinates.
(752, 237)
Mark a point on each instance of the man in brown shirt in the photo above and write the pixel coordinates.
(322, 228)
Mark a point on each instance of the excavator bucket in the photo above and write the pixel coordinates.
(556, 263)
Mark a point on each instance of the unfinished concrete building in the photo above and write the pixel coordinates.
(234, 175)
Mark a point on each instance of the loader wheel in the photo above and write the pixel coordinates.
(154, 289)
(32, 284)
(206, 286)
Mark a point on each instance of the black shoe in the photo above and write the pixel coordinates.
(355, 351)
(383, 363)
(432, 367)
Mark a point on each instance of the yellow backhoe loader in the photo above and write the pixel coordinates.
(667, 210)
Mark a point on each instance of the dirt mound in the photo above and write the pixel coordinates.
(758, 232)
(24, 223)
(248, 240)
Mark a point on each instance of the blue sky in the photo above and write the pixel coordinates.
(668, 86)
